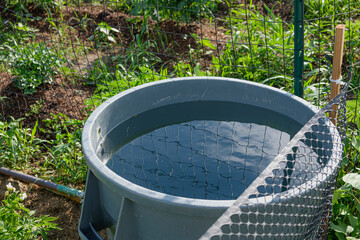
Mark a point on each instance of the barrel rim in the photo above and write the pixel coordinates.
(136, 192)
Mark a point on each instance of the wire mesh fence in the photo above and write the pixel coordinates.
(99, 48)
(320, 22)
(291, 198)
(61, 59)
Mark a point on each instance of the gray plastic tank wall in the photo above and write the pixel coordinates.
(134, 212)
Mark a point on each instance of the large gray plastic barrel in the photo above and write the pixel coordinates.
(132, 211)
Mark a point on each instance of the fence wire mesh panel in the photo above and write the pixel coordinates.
(95, 49)
(291, 198)
(61, 59)
(320, 21)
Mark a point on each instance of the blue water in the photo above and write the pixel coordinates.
(203, 158)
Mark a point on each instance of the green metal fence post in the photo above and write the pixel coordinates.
(298, 47)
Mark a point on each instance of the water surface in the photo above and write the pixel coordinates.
(213, 155)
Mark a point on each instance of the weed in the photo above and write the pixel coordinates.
(83, 22)
(64, 160)
(110, 83)
(12, 35)
(100, 73)
(35, 108)
(22, 5)
(18, 145)
(179, 10)
(182, 69)
(33, 65)
(59, 27)
(24, 32)
(49, 5)
(18, 222)
(140, 54)
(345, 222)
(65, 33)
(257, 50)
(353, 110)
(103, 34)
(328, 9)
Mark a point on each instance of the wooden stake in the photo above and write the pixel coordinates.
(336, 70)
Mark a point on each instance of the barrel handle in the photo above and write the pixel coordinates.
(91, 234)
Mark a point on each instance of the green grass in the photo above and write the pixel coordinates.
(22, 6)
(109, 83)
(18, 145)
(258, 49)
(57, 155)
(178, 10)
(64, 161)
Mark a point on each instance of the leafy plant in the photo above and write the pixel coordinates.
(135, 67)
(328, 9)
(35, 108)
(257, 49)
(346, 221)
(65, 34)
(33, 65)
(23, 31)
(353, 111)
(109, 83)
(186, 70)
(59, 26)
(103, 34)
(47, 5)
(11, 35)
(64, 161)
(83, 22)
(17, 222)
(100, 73)
(59, 157)
(140, 53)
(179, 10)
(18, 145)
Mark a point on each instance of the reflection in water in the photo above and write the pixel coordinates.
(204, 159)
